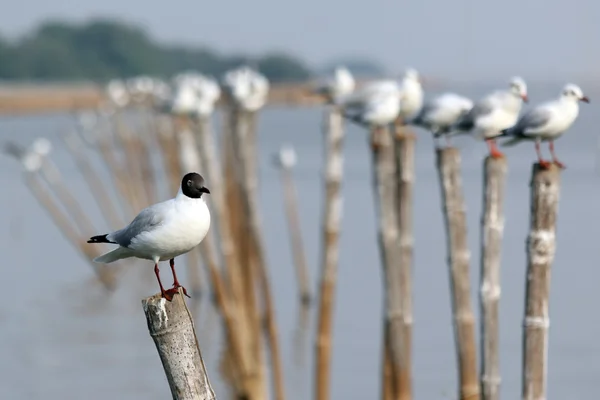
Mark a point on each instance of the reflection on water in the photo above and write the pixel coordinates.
(62, 336)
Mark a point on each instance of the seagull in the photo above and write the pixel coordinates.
(376, 110)
(439, 114)
(248, 88)
(411, 92)
(341, 84)
(547, 122)
(163, 231)
(494, 113)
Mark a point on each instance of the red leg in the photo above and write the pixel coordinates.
(163, 292)
(494, 152)
(176, 284)
(554, 159)
(543, 163)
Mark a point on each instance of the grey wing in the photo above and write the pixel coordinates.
(147, 220)
(532, 121)
(480, 109)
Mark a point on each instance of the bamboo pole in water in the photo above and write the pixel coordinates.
(384, 188)
(212, 170)
(541, 247)
(249, 183)
(405, 175)
(448, 166)
(99, 190)
(333, 134)
(171, 327)
(286, 159)
(105, 275)
(492, 227)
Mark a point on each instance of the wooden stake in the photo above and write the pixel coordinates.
(384, 188)
(541, 246)
(448, 166)
(171, 327)
(405, 175)
(492, 227)
(333, 133)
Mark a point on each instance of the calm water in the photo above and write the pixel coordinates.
(62, 337)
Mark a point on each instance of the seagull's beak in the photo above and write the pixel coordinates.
(205, 190)
(525, 98)
(585, 99)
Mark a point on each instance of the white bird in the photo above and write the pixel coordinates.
(248, 88)
(494, 113)
(439, 114)
(209, 93)
(117, 93)
(338, 86)
(376, 110)
(411, 92)
(163, 231)
(547, 122)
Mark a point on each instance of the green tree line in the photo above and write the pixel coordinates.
(103, 49)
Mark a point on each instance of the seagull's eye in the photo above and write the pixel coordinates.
(189, 183)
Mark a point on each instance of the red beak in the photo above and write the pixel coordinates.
(525, 98)
(585, 99)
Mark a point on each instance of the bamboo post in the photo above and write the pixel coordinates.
(286, 159)
(213, 174)
(75, 146)
(249, 185)
(333, 134)
(384, 188)
(448, 166)
(541, 247)
(492, 227)
(405, 175)
(171, 327)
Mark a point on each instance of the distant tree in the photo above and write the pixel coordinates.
(280, 67)
(102, 49)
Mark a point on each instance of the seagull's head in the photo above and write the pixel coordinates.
(192, 185)
(519, 88)
(412, 75)
(574, 92)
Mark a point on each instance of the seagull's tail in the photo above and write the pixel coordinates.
(100, 239)
(114, 255)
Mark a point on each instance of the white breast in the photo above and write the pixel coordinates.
(185, 226)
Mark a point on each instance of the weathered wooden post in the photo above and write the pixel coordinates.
(541, 246)
(448, 166)
(171, 327)
(385, 194)
(405, 179)
(331, 224)
(285, 161)
(492, 227)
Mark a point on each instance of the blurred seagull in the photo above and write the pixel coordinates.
(341, 84)
(163, 231)
(439, 114)
(547, 122)
(494, 113)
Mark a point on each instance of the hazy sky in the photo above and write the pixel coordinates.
(450, 38)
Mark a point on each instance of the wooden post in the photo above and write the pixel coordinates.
(331, 224)
(99, 190)
(213, 172)
(171, 327)
(405, 175)
(448, 166)
(492, 227)
(384, 188)
(541, 246)
(286, 159)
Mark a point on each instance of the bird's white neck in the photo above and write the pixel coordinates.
(182, 197)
